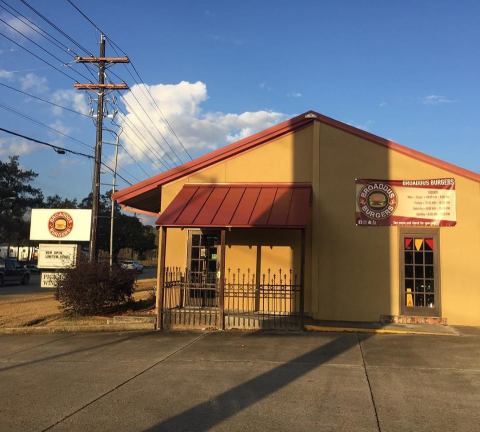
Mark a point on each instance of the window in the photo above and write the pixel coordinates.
(420, 293)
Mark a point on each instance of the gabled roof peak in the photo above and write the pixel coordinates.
(147, 186)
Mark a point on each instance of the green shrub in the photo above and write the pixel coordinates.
(94, 288)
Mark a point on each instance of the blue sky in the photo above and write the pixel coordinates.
(405, 70)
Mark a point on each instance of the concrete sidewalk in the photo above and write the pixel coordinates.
(239, 382)
(380, 328)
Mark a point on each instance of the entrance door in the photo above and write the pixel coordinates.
(420, 291)
(203, 262)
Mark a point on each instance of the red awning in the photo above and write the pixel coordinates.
(263, 205)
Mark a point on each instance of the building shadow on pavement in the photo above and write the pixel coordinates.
(208, 414)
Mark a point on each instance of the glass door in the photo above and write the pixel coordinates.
(420, 291)
(203, 261)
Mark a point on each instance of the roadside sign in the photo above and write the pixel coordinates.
(49, 279)
(60, 224)
(56, 256)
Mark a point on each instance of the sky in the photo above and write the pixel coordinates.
(221, 70)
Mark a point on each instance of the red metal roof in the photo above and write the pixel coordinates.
(264, 205)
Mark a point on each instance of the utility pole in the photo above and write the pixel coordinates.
(114, 185)
(102, 63)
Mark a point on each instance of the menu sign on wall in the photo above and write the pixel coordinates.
(429, 202)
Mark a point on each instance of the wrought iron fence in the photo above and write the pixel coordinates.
(192, 299)
(270, 301)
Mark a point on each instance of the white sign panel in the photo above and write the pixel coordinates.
(60, 224)
(426, 202)
(53, 256)
(49, 279)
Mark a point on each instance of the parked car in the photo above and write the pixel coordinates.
(12, 271)
(33, 268)
(132, 265)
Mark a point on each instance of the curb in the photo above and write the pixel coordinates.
(77, 329)
(316, 328)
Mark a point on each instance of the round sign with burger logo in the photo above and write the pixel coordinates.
(60, 224)
(377, 201)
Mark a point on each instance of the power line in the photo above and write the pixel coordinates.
(56, 27)
(153, 123)
(44, 125)
(42, 32)
(139, 135)
(44, 49)
(165, 153)
(39, 58)
(116, 46)
(129, 154)
(147, 91)
(44, 100)
(55, 147)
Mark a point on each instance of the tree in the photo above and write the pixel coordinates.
(56, 201)
(129, 232)
(17, 196)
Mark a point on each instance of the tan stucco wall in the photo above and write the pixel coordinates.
(286, 159)
(359, 266)
(351, 273)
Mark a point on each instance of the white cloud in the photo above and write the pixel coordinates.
(264, 86)
(31, 81)
(17, 24)
(294, 94)
(435, 100)
(6, 74)
(16, 146)
(382, 104)
(197, 129)
(71, 99)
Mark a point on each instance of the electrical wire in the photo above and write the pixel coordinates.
(19, 113)
(44, 100)
(44, 49)
(116, 46)
(42, 32)
(129, 154)
(39, 58)
(130, 108)
(147, 91)
(43, 17)
(139, 135)
(153, 123)
(55, 147)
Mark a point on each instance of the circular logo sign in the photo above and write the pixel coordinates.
(377, 201)
(60, 224)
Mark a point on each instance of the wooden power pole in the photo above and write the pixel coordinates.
(100, 87)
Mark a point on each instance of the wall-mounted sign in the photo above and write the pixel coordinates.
(57, 256)
(429, 202)
(60, 224)
(49, 279)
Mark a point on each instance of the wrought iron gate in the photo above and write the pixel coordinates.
(193, 300)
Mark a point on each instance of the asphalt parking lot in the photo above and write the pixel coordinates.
(239, 381)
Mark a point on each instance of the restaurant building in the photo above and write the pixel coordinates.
(313, 219)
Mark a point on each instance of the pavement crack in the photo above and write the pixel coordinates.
(369, 384)
(164, 358)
